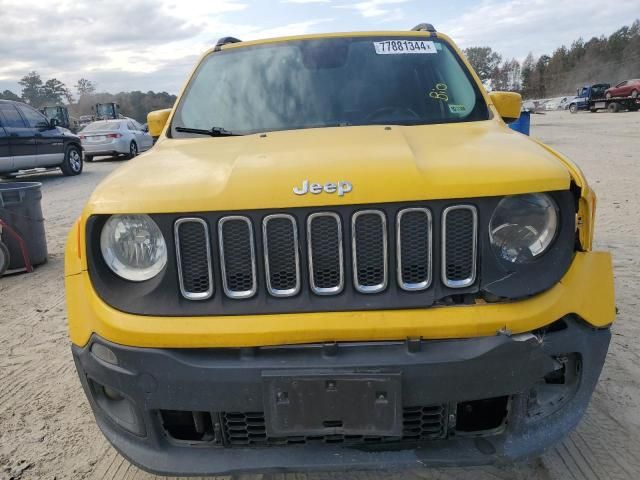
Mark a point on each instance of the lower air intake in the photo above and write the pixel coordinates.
(249, 429)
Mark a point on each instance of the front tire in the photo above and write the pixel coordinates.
(133, 150)
(72, 163)
(573, 108)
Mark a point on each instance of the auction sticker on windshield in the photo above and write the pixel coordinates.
(397, 47)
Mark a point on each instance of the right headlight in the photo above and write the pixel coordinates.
(133, 247)
(523, 227)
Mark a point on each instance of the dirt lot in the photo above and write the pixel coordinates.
(46, 427)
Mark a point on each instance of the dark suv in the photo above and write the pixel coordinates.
(29, 140)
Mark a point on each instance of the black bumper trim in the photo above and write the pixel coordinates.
(433, 372)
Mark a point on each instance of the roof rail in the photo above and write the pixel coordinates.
(225, 41)
(424, 27)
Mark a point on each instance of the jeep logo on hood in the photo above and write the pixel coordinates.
(340, 188)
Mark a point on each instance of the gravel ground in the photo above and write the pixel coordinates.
(47, 430)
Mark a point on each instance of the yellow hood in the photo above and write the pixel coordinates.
(384, 164)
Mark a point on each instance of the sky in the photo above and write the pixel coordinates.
(125, 45)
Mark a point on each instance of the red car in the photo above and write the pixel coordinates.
(628, 88)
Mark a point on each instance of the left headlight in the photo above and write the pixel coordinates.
(523, 227)
(133, 247)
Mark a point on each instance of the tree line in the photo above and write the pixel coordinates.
(601, 59)
(40, 93)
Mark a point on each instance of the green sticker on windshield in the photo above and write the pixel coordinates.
(457, 109)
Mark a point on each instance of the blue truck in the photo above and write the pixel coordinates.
(585, 95)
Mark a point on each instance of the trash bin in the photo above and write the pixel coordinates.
(523, 124)
(20, 209)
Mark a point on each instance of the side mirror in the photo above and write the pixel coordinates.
(54, 122)
(157, 120)
(508, 105)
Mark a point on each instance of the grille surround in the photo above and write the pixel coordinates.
(290, 292)
(312, 278)
(415, 286)
(470, 280)
(186, 293)
(161, 296)
(379, 287)
(237, 294)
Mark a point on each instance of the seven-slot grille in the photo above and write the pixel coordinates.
(193, 253)
(414, 232)
(459, 237)
(326, 257)
(237, 257)
(323, 238)
(369, 246)
(281, 255)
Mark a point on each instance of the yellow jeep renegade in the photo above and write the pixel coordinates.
(338, 256)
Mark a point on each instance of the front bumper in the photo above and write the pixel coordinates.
(586, 291)
(450, 374)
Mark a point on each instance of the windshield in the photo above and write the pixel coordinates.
(105, 110)
(54, 112)
(101, 126)
(329, 82)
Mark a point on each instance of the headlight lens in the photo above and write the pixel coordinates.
(133, 247)
(523, 226)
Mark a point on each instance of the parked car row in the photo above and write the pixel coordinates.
(548, 104)
(599, 96)
(31, 140)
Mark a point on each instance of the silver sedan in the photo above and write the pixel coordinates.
(114, 137)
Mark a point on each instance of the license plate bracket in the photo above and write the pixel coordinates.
(328, 403)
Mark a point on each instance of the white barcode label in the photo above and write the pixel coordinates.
(399, 47)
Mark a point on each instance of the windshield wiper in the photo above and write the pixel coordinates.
(213, 132)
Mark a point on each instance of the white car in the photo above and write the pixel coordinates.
(566, 101)
(553, 103)
(114, 137)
